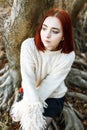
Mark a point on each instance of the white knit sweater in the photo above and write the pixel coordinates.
(43, 75)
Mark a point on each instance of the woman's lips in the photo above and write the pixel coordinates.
(46, 41)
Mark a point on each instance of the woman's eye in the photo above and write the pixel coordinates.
(55, 32)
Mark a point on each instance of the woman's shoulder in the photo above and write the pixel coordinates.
(68, 58)
(70, 55)
(28, 46)
(29, 42)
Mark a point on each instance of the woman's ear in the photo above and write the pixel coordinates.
(62, 39)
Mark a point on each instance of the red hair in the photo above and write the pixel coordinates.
(67, 45)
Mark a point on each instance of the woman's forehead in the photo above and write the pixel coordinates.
(52, 21)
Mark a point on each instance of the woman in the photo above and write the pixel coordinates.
(45, 62)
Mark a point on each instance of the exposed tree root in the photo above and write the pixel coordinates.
(3, 126)
(81, 117)
(4, 69)
(72, 122)
(51, 128)
(55, 126)
(77, 95)
(78, 80)
(8, 79)
(68, 120)
(80, 64)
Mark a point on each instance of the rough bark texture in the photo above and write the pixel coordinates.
(22, 23)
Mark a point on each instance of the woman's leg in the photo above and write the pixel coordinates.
(48, 121)
(55, 106)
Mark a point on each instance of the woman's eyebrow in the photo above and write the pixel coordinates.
(52, 27)
(45, 25)
(55, 28)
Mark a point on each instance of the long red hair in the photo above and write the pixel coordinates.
(67, 45)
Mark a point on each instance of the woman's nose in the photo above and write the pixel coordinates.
(48, 34)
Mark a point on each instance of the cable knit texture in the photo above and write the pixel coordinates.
(43, 75)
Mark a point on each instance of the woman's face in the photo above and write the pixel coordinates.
(51, 33)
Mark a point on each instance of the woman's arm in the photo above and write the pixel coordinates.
(27, 73)
(29, 111)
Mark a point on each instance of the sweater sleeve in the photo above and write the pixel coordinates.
(56, 77)
(28, 111)
(27, 73)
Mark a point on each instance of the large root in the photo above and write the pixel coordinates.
(8, 82)
(77, 95)
(68, 120)
(77, 78)
(71, 120)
